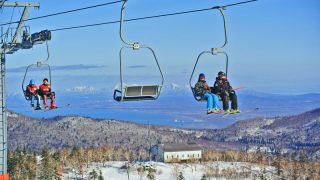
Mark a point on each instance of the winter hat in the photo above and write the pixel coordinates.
(201, 75)
(32, 82)
(221, 73)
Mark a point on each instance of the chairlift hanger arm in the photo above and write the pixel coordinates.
(121, 24)
(224, 26)
(221, 10)
(134, 45)
(48, 54)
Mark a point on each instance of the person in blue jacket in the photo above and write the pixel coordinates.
(202, 89)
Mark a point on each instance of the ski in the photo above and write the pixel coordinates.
(57, 107)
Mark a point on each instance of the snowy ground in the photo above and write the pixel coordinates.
(164, 171)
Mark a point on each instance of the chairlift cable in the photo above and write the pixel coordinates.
(235, 4)
(151, 17)
(66, 12)
(133, 19)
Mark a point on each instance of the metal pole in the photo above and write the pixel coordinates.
(3, 112)
(3, 119)
(149, 141)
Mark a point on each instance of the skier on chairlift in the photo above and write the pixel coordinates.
(32, 93)
(202, 89)
(45, 92)
(223, 89)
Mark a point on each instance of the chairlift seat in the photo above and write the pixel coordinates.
(197, 97)
(137, 93)
(200, 98)
(28, 96)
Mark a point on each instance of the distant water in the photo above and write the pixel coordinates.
(99, 113)
(178, 111)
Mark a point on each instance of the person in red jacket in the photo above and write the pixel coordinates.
(45, 91)
(32, 93)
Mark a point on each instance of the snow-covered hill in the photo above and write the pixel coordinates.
(116, 170)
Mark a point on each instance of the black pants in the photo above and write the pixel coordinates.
(230, 96)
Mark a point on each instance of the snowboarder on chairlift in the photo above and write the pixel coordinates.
(45, 91)
(202, 89)
(223, 89)
(32, 92)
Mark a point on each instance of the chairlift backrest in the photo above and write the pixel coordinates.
(140, 92)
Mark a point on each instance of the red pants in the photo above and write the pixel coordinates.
(52, 96)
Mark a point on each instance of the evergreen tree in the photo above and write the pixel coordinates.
(31, 167)
(93, 174)
(203, 177)
(16, 163)
(180, 177)
(100, 176)
(47, 171)
(151, 175)
(12, 162)
(295, 174)
(259, 155)
(56, 156)
(277, 162)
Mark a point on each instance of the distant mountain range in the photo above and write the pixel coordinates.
(289, 133)
(58, 68)
(89, 91)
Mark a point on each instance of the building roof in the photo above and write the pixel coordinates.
(180, 147)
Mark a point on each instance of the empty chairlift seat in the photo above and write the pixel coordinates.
(137, 93)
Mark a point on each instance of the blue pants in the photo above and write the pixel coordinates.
(35, 97)
(212, 100)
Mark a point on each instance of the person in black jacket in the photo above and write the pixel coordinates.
(223, 89)
(202, 89)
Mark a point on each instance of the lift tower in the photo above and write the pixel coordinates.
(9, 47)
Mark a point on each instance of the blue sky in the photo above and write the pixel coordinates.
(274, 45)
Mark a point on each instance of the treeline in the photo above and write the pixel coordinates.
(287, 166)
(51, 164)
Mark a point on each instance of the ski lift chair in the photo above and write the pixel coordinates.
(213, 51)
(38, 65)
(135, 92)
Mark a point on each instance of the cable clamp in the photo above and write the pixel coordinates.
(215, 51)
(136, 46)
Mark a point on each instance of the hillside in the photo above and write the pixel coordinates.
(71, 131)
(288, 132)
(292, 132)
